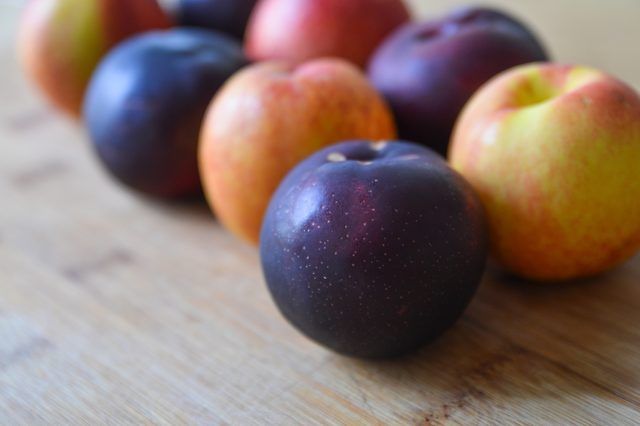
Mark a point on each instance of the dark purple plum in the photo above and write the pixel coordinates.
(146, 102)
(428, 71)
(373, 249)
(227, 16)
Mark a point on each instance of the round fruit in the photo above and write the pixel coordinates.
(62, 41)
(427, 71)
(145, 105)
(554, 153)
(301, 30)
(271, 116)
(373, 249)
(227, 16)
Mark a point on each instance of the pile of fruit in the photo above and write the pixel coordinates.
(320, 128)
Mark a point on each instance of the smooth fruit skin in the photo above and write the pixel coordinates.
(553, 152)
(146, 103)
(428, 71)
(227, 16)
(298, 31)
(61, 41)
(373, 249)
(269, 117)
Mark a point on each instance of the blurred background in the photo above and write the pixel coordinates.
(590, 32)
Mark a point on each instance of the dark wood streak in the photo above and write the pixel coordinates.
(42, 173)
(489, 371)
(28, 350)
(459, 401)
(116, 257)
(29, 120)
(533, 354)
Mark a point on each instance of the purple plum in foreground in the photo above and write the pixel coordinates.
(373, 249)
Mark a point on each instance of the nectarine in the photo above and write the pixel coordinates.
(270, 116)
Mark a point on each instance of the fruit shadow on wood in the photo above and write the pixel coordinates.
(518, 345)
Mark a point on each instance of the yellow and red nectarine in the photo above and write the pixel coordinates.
(554, 153)
(270, 116)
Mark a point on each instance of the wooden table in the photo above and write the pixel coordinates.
(119, 310)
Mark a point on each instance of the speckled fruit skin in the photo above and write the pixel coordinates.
(298, 31)
(146, 102)
(61, 41)
(428, 71)
(269, 117)
(227, 16)
(553, 152)
(373, 249)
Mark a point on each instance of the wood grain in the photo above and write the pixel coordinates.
(119, 310)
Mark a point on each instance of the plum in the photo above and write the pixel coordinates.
(428, 71)
(145, 104)
(373, 249)
(227, 16)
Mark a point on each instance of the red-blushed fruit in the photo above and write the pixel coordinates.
(270, 116)
(62, 41)
(373, 249)
(427, 71)
(554, 153)
(298, 31)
